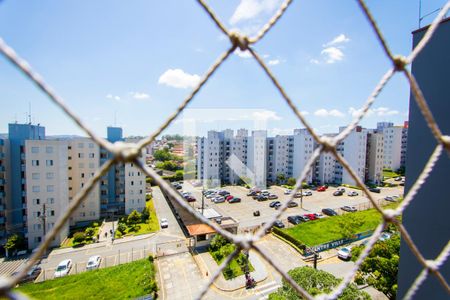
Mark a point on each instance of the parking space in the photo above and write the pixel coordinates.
(243, 211)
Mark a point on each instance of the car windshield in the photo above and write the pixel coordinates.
(344, 250)
(90, 263)
(61, 268)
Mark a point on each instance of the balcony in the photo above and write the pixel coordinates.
(2, 194)
(24, 205)
(2, 168)
(2, 181)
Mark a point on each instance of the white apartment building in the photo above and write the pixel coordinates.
(375, 156)
(304, 146)
(392, 147)
(47, 189)
(83, 160)
(134, 188)
(256, 158)
(238, 156)
(325, 168)
(279, 157)
(353, 149)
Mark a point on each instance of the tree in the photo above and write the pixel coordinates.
(89, 232)
(145, 214)
(162, 155)
(15, 242)
(382, 265)
(217, 242)
(134, 218)
(291, 181)
(315, 282)
(281, 178)
(168, 165)
(79, 237)
(121, 227)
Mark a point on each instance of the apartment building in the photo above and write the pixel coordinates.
(303, 148)
(393, 147)
(4, 189)
(256, 157)
(375, 156)
(47, 189)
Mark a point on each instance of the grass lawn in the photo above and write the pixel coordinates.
(387, 174)
(69, 241)
(235, 268)
(329, 229)
(125, 281)
(151, 226)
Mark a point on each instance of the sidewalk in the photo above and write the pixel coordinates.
(259, 274)
(107, 228)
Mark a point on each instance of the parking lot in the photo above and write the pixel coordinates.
(243, 211)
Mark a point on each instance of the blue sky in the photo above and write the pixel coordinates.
(138, 60)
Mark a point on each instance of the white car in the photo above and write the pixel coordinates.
(164, 223)
(341, 189)
(287, 192)
(63, 268)
(385, 236)
(319, 215)
(352, 193)
(307, 193)
(219, 199)
(345, 253)
(93, 262)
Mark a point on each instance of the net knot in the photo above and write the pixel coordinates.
(328, 144)
(389, 215)
(239, 40)
(125, 152)
(400, 62)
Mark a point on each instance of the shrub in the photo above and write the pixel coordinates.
(228, 272)
(89, 232)
(134, 218)
(121, 228)
(151, 258)
(118, 234)
(79, 237)
(217, 242)
(95, 224)
(145, 214)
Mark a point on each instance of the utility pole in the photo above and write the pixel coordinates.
(44, 218)
(203, 199)
(301, 195)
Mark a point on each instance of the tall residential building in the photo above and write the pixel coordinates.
(47, 189)
(256, 157)
(16, 208)
(279, 157)
(392, 147)
(4, 187)
(375, 156)
(303, 149)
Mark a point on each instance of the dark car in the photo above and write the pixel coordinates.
(31, 275)
(375, 190)
(304, 219)
(272, 196)
(278, 224)
(273, 203)
(252, 193)
(294, 220)
(329, 212)
(338, 193)
(262, 198)
(223, 193)
(256, 213)
(277, 205)
(234, 200)
(292, 204)
(190, 199)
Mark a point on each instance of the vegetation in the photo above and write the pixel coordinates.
(388, 173)
(179, 175)
(82, 236)
(14, 243)
(121, 282)
(315, 282)
(168, 165)
(281, 178)
(165, 155)
(173, 137)
(380, 268)
(334, 228)
(220, 248)
(138, 223)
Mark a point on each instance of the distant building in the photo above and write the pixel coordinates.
(4, 187)
(375, 156)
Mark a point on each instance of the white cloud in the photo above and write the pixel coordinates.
(109, 96)
(379, 111)
(243, 54)
(337, 40)
(250, 9)
(140, 96)
(265, 115)
(314, 61)
(328, 113)
(274, 62)
(332, 54)
(179, 79)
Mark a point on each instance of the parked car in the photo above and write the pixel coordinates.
(190, 199)
(352, 193)
(345, 253)
(164, 223)
(252, 193)
(287, 192)
(375, 190)
(272, 196)
(211, 196)
(307, 193)
(273, 203)
(256, 213)
(321, 188)
(298, 195)
(278, 224)
(312, 217)
(262, 198)
(277, 205)
(63, 268)
(229, 197)
(349, 208)
(93, 262)
(292, 204)
(329, 212)
(234, 200)
(223, 193)
(294, 220)
(399, 178)
(338, 193)
(304, 219)
(391, 198)
(31, 275)
(318, 215)
(219, 199)
(341, 189)
(385, 236)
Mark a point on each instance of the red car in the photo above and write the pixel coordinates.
(311, 216)
(321, 188)
(229, 197)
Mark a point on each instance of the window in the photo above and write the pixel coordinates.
(37, 226)
(34, 149)
(36, 189)
(49, 162)
(52, 213)
(80, 155)
(50, 188)
(80, 145)
(50, 175)
(37, 239)
(36, 201)
(35, 162)
(82, 175)
(50, 200)
(35, 176)
(48, 149)
(91, 155)
(132, 182)
(91, 145)
(81, 165)
(91, 165)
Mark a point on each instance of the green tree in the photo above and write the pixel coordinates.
(89, 232)
(162, 155)
(168, 165)
(291, 181)
(121, 227)
(15, 242)
(217, 242)
(133, 218)
(281, 178)
(79, 237)
(315, 282)
(145, 214)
